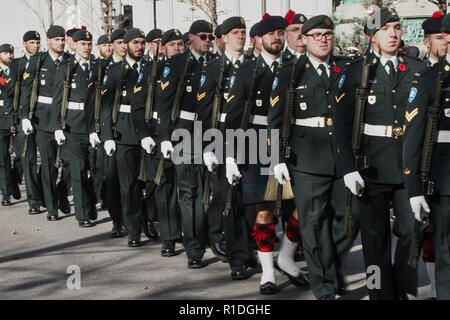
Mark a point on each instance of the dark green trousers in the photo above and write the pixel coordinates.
(5, 164)
(96, 160)
(440, 209)
(163, 198)
(76, 149)
(33, 184)
(374, 207)
(127, 161)
(214, 212)
(108, 173)
(193, 219)
(320, 202)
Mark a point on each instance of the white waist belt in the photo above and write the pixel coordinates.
(1, 103)
(314, 122)
(76, 106)
(155, 115)
(125, 108)
(377, 130)
(223, 116)
(186, 115)
(443, 136)
(45, 100)
(259, 120)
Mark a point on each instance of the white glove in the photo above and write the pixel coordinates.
(210, 158)
(232, 170)
(94, 140)
(166, 149)
(354, 182)
(148, 144)
(281, 173)
(26, 126)
(417, 203)
(60, 137)
(110, 147)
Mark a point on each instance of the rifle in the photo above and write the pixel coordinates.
(362, 162)
(430, 138)
(64, 107)
(33, 101)
(149, 106)
(97, 101)
(244, 125)
(175, 112)
(217, 107)
(16, 97)
(286, 132)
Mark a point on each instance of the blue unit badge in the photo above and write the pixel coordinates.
(202, 80)
(166, 72)
(275, 83)
(233, 78)
(141, 76)
(105, 79)
(341, 82)
(412, 94)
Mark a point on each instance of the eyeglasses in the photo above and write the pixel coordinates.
(319, 36)
(203, 37)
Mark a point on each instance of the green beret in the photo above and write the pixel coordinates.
(56, 32)
(133, 33)
(6, 47)
(232, 23)
(170, 35)
(318, 22)
(103, 39)
(446, 24)
(31, 35)
(185, 37)
(218, 32)
(383, 16)
(71, 32)
(117, 34)
(82, 35)
(153, 34)
(200, 26)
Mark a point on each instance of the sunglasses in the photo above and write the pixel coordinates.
(204, 37)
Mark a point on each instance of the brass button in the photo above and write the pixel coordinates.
(330, 133)
(393, 91)
(395, 107)
(447, 99)
(328, 92)
(301, 96)
(396, 121)
(329, 106)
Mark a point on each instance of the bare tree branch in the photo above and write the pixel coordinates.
(36, 12)
(208, 7)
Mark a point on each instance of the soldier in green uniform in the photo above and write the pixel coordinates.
(390, 77)
(42, 67)
(6, 123)
(233, 33)
(73, 118)
(33, 184)
(162, 197)
(420, 100)
(71, 46)
(153, 38)
(118, 131)
(189, 170)
(255, 46)
(433, 41)
(104, 46)
(220, 44)
(295, 45)
(318, 189)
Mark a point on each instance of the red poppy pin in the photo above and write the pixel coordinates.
(401, 67)
(2, 81)
(336, 69)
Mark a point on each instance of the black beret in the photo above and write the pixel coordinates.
(433, 24)
(446, 23)
(55, 32)
(153, 34)
(117, 34)
(103, 39)
(200, 26)
(170, 35)
(233, 23)
(71, 32)
(6, 47)
(218, 32)
(82, 35)
(185, 37)
(252, 31)
(318, 22)
(31, 35)
(270, 23)
(385, 15)
(133, 33)
(293, 18)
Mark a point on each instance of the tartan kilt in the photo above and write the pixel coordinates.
(253, 184)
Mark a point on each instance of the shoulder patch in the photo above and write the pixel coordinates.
(166, 72)
(412, 94)
(341, 81)
(105, 79)
(141, 76)
(202, 80)
(275, 83)
(232, 80)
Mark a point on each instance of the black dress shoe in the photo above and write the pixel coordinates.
(168, 248)
(299, 280)
(6, 202)
(34, 210)
(195, 263)
(150, 230)
(85, 224)
(16, 191)
(135, 243)
(218, 251)
(117, 231)
(268, 288)
(238, 273)
(64, 205)
(52, 217)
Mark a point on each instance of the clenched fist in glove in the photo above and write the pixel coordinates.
(60, 137)
(94, 140)
(418, 203)
(166, 149)
(210, 159)
(354, 182)
(232, 170)
(110, 147)
(281, 173)
(27, 127)
(148, 144)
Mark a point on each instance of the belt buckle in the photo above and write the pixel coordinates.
(398, 132)
(328, 122)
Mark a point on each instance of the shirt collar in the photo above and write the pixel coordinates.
(269, 61)
(293, 52)
(316, 63)
(384, 60)
(115, 59)
(54, 58)
(83, 62)
(233, 59)
(432, 61)
(197, 56)
(447, 58)
(139, 63)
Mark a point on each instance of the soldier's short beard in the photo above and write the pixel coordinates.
(269, 49)
(132, 56)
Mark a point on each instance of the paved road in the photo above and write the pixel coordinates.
(35, 255)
